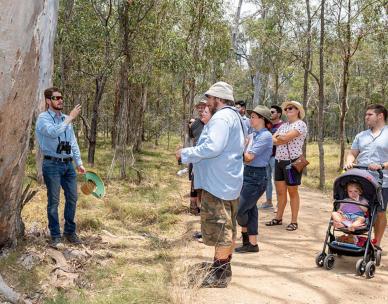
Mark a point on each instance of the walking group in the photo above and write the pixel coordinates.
(234, 159)
(232, 163)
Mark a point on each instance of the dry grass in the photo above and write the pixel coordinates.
(332, 154)
(140, 266)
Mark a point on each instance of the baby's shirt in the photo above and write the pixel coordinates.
(353, 208)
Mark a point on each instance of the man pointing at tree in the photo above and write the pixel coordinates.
(59, 148)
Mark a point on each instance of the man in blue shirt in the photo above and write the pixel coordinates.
(59, 147)
(370, 148)
(218, 169)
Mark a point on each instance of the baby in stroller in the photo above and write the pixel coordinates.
(351, 215)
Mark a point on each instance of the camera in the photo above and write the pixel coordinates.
(64, 146)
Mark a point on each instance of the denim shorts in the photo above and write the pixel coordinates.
(353, 216)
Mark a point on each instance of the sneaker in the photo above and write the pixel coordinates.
(266, 205)
(73, 238)
(247, 248)
(55, 241)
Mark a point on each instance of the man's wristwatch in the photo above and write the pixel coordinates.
(382, 166)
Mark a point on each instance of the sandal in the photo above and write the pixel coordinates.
(292, 227)
(274, 222)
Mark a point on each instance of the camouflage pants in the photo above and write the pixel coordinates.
(218, 220)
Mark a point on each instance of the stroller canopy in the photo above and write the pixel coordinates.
(370, 186)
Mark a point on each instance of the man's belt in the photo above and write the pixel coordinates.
(64, 160)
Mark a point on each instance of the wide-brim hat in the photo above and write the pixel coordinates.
(262, 111)
(92, 178)
(296, 104)
(200, 102)
(221, 90)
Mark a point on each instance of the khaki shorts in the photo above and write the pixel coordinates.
(218, 220)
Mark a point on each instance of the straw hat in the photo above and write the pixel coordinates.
(262, 111)
(296, 105)
(221, 90)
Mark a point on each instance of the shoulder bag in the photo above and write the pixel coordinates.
(300, 163)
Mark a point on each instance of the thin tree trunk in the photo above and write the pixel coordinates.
(123, 93)
(100, 86)
(321, 99)
(344, 90)
(307, 68)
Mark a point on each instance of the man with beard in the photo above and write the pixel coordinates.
(59, 147)
(218, 170)
(370, 148)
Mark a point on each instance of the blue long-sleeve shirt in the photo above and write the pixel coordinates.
(261, 148)
(217, 157)
(50, 129)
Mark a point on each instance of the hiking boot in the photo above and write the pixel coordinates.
(218, 277)
(55, 241)
(73, 238)
(247, 248)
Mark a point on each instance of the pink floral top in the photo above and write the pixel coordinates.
(295, 145)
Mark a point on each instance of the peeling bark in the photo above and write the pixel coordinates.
(24, 68)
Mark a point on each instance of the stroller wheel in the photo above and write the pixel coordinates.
(328, 262)
(360, 267)
(370, 270)
(378, 257)
(319, 258)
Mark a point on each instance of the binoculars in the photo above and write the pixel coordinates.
(64, 146)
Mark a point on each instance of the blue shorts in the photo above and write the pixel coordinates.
(353, 216)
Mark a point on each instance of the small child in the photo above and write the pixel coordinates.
(351, 215)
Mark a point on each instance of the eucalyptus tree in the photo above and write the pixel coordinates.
(352, 21)
(86, 58)
(27, 39)
(195, 48)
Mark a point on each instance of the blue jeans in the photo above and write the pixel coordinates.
(57, 174)
(255, 182)
(270, 173)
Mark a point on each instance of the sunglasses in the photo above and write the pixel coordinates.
(289, 109)
(56, 97)
(273, 112)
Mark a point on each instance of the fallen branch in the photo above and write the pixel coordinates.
(11, 295)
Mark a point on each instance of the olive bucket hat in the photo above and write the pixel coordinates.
(93, 184)
(262, 111)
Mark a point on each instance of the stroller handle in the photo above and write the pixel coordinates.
(380, 172)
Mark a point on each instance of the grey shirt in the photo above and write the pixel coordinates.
(372, 150)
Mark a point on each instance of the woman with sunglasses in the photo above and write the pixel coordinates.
(256, 158)
(289, 140)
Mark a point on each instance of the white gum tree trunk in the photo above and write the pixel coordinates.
(27, 31)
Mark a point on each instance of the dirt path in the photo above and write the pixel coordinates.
(284, 270)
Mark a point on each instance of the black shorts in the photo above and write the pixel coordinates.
(385, 201)
(281, 173)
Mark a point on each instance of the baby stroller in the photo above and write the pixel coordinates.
(363, 246)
